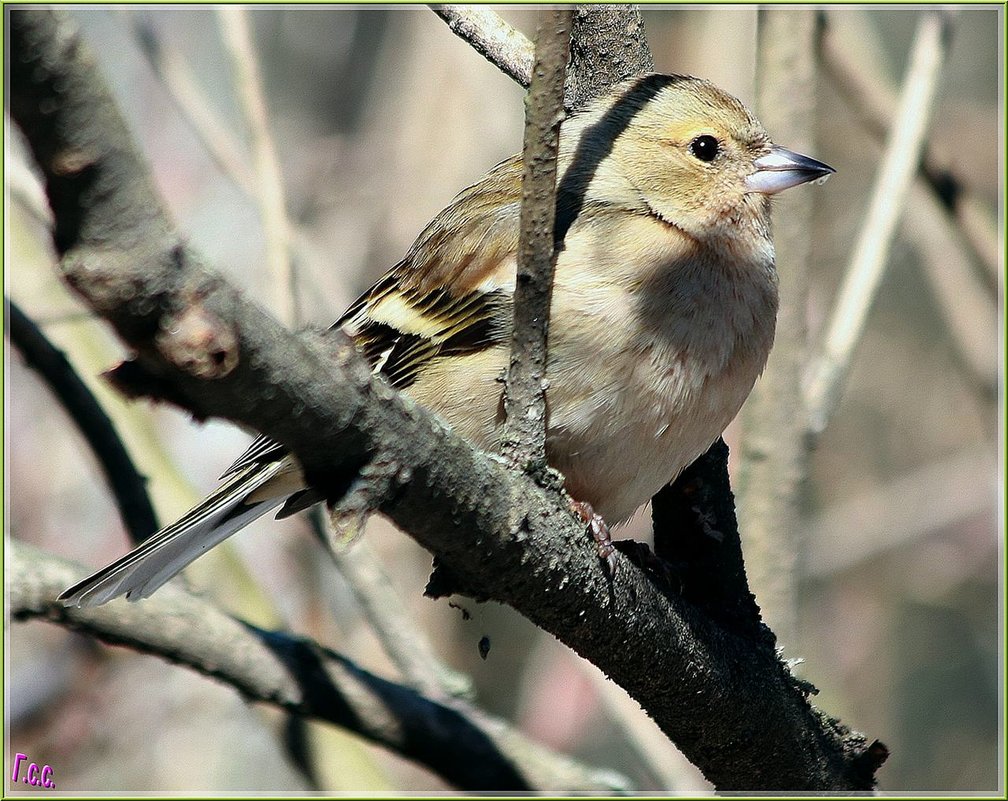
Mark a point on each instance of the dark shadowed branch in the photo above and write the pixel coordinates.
(127, 484)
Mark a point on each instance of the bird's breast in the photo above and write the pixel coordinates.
(647, 371)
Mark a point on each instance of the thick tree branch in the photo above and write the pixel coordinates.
(463, 745)
(126, 483)
(525, 388)
(725, 699)
(608, 45)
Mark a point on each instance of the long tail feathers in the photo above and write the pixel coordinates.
(229, 508)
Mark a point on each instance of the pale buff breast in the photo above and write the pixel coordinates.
(648, 361)
(647, 370)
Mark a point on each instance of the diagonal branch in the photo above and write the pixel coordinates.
(180, 82)
(853, 60)
(384, 611)
(828, 372)
(463, 745)
(506, 48)
(127, 484)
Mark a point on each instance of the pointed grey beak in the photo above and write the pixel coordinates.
(781, 169)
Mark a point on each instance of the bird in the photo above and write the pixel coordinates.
(662, 313)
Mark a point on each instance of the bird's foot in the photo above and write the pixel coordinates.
(600, 533)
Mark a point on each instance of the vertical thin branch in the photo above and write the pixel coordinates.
(864, 274)
(525, 395)
(773, 445)
(237, 38)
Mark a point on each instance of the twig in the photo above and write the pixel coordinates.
(502, 45)
(237, 38)
(173, 70)
(463, 745)
(864, 274)
(525, 388)
(127, 485)
(377, 598)
(862, 81)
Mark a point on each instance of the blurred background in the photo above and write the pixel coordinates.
(895, 598)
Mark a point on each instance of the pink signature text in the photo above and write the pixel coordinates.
(33, 775)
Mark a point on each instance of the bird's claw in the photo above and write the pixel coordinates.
(600, 533)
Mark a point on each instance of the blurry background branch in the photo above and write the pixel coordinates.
(907, 510)
(400, 637)
(828, 371)
(269, 182)
(774, 460)
(944, 216)
(468, 748)
(863, 83)
(178, 79)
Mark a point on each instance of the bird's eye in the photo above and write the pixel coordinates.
(705, 147)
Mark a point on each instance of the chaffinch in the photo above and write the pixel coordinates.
(662, 313)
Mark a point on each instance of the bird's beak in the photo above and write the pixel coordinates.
(781, 169)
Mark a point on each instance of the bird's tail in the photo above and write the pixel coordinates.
(236, 503)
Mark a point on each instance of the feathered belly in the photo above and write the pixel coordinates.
(625, 415)
(618, 446)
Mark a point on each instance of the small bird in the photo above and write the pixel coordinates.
(662, 314)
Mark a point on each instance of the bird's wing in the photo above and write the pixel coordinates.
(408, 318)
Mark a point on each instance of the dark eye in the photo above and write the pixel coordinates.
(705, 147)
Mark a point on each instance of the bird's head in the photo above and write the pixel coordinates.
(684, 151)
